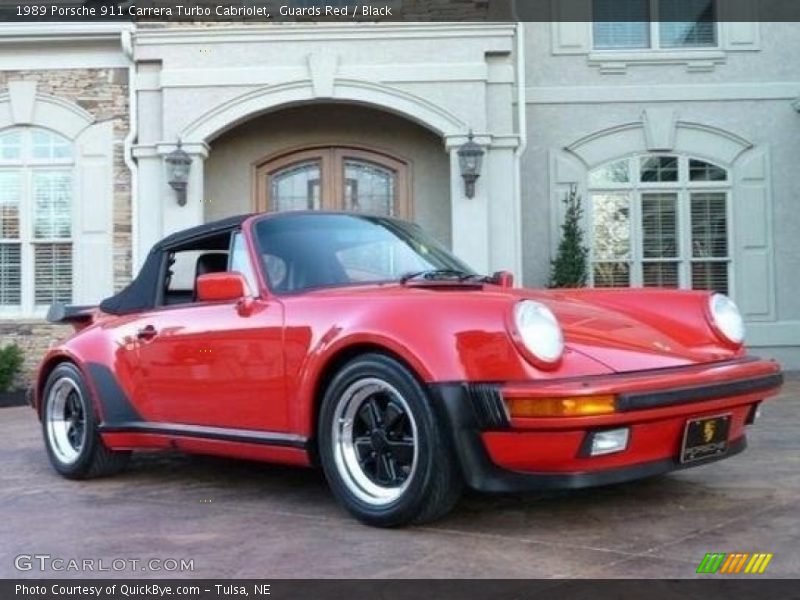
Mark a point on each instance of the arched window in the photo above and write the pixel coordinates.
(36, 172)
(334, 178)
(660, 221)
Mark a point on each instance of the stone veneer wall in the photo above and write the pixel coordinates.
(104, 94)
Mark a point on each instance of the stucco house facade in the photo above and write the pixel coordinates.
(683, 145)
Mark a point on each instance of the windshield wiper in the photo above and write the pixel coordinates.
(443, 275)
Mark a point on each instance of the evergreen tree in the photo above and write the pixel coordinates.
(569, 268)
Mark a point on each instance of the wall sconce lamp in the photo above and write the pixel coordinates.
(178, 165)
(470, 159)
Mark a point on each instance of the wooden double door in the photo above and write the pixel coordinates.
(334, 178)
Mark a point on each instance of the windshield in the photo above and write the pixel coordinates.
(306, 251)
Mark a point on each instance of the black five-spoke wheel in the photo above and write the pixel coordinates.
(383, 451)
(74, 445)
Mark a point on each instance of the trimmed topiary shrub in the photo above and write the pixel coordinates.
(569, 268)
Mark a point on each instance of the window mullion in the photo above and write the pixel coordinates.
(655, 41)
(589, 227)
(685, 238)
(729, 254)
(26, 240)
(636, 238)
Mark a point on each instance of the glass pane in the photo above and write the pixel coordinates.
(11, 145)
(10, 274)
(52, 197)
(296, 187)
(610, 174)
(660, 274)
(368, 187)
(52, 273)
(621, 23)
(709, 225)
(10, 189)
(48, 145)
(612, 274)
(660, 225)
(710, 276)
(659, 168)
(699, 170)
(687, 23)
(324, 250)
(240, 261)
(611, 237)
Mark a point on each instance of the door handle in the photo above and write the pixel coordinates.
(147, 333)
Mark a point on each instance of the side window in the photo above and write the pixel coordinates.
(183, 269)
(184, 264)
(240, 261)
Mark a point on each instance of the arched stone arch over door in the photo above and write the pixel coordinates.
(661, 131)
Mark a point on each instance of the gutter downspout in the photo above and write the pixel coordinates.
(522, 126)
(126, 41)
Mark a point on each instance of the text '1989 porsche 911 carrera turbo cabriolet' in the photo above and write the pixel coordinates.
(360, 344)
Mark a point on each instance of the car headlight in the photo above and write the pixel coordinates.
(726, 318)
(538, 332)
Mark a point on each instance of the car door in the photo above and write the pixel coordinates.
(211, 364)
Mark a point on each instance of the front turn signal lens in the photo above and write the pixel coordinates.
(572, 406)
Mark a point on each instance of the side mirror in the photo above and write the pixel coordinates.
(217, 287)
(504, 279)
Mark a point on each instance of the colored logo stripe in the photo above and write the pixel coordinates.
(711, 562)
(736, 562)
(758, 564)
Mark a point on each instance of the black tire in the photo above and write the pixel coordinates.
(431, 484)
(91, 458)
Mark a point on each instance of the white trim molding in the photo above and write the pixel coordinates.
(700, 140)
(25, 106)
(303, 32)
(688, 92)
(225, 116)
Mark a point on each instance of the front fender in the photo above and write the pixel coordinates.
(439, 341)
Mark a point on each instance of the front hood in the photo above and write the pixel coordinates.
(633, 331)
(623, 330)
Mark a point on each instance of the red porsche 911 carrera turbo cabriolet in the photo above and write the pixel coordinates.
(360, 344)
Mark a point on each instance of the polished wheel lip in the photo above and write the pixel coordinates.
(65, 420)
(358, 482)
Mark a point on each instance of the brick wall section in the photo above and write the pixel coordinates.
(104, 94)
(34, 337)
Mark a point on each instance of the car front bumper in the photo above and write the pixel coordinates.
(498, 454)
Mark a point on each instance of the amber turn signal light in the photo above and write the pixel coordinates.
(572, 406)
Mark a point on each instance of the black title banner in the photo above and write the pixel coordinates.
(340, 589)
(398, 10)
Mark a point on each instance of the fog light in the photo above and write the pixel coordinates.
(608, 442)
(754, 414)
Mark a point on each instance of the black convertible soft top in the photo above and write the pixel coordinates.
(140, 294)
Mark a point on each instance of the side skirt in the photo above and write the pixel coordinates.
(249, 436)
(218, 441)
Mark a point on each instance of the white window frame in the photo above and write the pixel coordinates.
(684, 189)
(27, 165)
(655, 38)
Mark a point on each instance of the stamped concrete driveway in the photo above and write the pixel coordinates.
(237, 519)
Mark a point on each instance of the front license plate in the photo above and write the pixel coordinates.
(705, 437)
